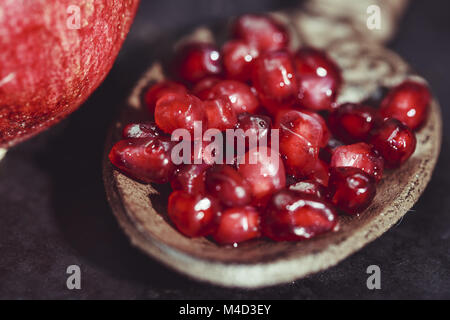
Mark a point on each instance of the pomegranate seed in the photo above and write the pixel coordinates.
(309, 187)
(194, 215)
(352, 122)
(141, 130)
(202, 151)
(265, 173)
(240, 95)
(394, 141)
(273, 76)
(408, 102)
(204, 86)
(319, 79)
(145, 159)
(238, 225)
(220, 113)
(325, 131)
(293, 216)
(238, 57)
(225, 183)
(288, 115)
(300, 137)
(190, 178)
(252, 126)
(179, 111)
(195, 61)
(320, 172)
(261, 31)
(359, 155)
(351, 189)
(159, 90)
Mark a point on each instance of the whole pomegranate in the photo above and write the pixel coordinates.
(54, 54)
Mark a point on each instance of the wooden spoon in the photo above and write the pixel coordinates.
(141, 209)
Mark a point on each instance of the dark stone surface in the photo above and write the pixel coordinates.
(53, 211)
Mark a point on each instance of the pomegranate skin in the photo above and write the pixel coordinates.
(293, 216)
(49, 69)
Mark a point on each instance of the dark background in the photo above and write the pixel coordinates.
(53, 210)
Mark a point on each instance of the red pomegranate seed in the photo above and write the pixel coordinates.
(226, 184)
(204, 86)
(190, 178)
(252, 125)
(359, 155)
(408, 102)
(141, 130)
(238, 57)
(240, 95)
(351, 189)
(179, 111)
(220, 113)
(238, 225)
(273, 76)
(394, 141)
(320, 172)
(326, 135)
(288, 115)
(194, 215)
(195, 61)
(319, 79)
(264, 171)
(161, 89)
(352, 122)
(261, 31)
(309, 187)
(145, 159)
(300, 137)
(293, 216)
(206, 152)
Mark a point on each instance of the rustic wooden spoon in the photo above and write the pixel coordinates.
(141, 212)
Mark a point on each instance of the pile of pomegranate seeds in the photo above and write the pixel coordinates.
(295, 170)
